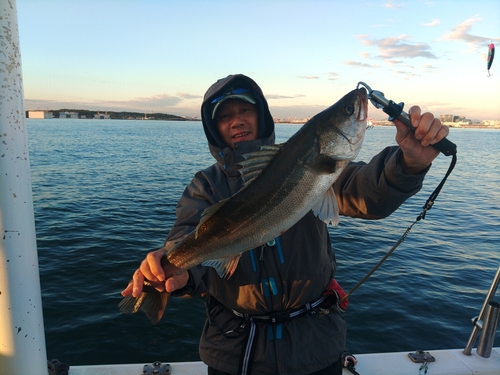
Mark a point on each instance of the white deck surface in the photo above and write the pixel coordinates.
(448, 362)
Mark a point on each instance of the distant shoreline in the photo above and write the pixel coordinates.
(92, 115)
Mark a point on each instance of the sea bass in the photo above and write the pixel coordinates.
(282, 183)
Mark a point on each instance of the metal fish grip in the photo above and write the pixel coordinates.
(395, 112)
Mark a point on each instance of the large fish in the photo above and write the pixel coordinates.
(282, 183)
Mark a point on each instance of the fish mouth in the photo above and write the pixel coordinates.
(363, 104)
(361, 113)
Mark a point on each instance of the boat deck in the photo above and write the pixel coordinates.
(448, 362)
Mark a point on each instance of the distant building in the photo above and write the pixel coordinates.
(454, 119)
(68, 115)
(447, 118)
(40, 114)
(100, 116)
(492, 123)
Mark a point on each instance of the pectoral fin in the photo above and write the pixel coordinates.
(327, 209)
(225, 267)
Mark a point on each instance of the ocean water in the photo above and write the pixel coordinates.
(104, 195)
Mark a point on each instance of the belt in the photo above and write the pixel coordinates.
(312, 309)
(252, 331)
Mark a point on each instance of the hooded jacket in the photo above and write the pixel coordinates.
(287, 273)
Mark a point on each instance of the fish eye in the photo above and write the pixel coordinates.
(349, 109)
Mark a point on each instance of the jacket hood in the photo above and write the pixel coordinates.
(266, 123)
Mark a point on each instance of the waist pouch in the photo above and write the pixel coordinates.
(335, 293)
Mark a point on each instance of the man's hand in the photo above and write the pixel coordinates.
(418, 153)
(152, 270)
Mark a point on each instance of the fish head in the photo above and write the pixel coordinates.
(341, 127)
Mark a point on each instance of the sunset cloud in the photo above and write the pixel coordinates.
(398, 47)
(461, 33)
(278, 96)
(156, 103)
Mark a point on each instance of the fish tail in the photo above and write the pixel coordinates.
(152, 302)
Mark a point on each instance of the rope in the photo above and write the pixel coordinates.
(424, 368)
(421, 216)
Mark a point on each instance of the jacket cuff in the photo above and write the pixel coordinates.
(399, 179)
(192, 285)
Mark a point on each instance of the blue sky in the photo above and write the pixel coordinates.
(162, 55)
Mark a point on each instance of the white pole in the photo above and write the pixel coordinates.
(22, 338)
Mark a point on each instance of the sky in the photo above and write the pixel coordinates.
(162, 55)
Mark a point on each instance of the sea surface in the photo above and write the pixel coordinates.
(104, 195)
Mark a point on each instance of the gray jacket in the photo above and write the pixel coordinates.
(284, 275)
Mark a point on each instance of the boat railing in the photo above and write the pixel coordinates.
(485, 323)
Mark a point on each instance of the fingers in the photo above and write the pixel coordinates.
(149, 269)
(128, 290)
(442, 133)
(138, 282)
(428, 129)
(135, 285)
(177, 282)
(151, 266)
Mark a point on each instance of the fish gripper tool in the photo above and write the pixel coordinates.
(395, 111)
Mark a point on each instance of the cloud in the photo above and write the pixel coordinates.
(460, 33)
(393, 5)
(398, 47)
(405, 73)
(360, 65)
(187, 96)
(332, 76)
(433, 23)
(428, 68)
(308, 77)
(277, 96)
(394, 62)
(157, 103)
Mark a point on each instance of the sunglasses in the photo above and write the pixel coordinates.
(229, 92)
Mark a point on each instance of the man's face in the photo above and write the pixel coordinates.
(237, 121)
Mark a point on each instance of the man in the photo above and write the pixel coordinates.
(264, 318)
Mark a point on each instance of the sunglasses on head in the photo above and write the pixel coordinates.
(229, 92)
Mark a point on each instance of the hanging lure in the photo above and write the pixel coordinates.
(491, 55)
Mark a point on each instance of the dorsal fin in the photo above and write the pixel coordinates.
(256, 161)
(251, 167)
